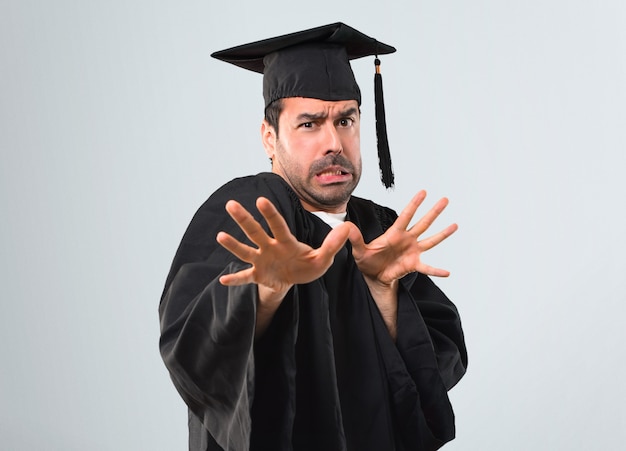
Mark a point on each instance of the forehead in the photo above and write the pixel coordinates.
(300, 105)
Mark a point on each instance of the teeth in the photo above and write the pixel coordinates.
(331, 173)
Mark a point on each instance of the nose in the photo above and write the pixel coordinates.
(332, 140)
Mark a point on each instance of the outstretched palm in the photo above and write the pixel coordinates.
(398, 251)
(280, 261)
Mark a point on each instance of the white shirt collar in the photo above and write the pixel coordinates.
(332, 219)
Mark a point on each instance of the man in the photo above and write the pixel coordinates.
(297, 316)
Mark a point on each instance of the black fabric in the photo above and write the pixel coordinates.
(250, 56)
(313, 63)
(316, 71)
(384, 156)
(326, 374)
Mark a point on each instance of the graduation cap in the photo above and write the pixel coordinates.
(315, 63)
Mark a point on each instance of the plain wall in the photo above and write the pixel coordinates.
(115, 125)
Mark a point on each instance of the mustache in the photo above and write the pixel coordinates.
(331, 160)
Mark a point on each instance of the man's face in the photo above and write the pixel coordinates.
(317, 151)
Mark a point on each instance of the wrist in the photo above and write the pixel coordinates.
(382, 289)
(386, 297)
(269, 296)
(269, 301)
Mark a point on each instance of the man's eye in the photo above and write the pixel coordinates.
(306, 124)
(345, 122)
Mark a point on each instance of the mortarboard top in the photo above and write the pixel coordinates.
(315, 63)
(310, 63)
(357, 45)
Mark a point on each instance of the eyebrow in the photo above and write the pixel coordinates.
(323, 115)
(349, 112)
(311, 116)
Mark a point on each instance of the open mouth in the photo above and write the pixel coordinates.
(333, 175)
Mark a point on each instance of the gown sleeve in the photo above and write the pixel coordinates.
(427, 359)
(207, 329)
(431, 345)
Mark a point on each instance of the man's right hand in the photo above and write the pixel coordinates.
(278, 262)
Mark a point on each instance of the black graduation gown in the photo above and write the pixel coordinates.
(326, 374)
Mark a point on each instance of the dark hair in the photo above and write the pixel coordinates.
(272, 113)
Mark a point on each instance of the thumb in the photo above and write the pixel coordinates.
(355, 237)
(335, 239)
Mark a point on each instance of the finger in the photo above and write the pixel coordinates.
(430, 242)
(405, 217)
(276, 222)
(238, 278)
(247, 223)
(235, 247)
(426, 221)
(356, 238)
(336, 239)
(432, 271)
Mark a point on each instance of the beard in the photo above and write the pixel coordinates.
(332, 160)
(304, 181)
(329, 196)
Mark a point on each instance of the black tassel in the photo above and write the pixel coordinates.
(384, 157)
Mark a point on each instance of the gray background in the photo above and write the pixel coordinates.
(115, 124)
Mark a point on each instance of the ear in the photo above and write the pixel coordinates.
(268, 137)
